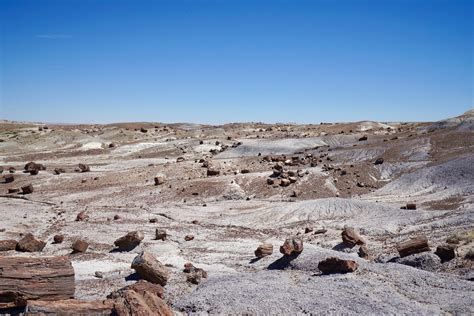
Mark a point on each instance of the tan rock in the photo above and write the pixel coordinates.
(150, 269)
(30, 244)
(264, 250)
(291, 247)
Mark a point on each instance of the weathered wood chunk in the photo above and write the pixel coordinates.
(351, 238)
(336, 265)
(129, 241)
(9, 244)
(264, 250)
(414, 245)
(30, 244)
(70, 307)
(23, 279)
(150, 269)
(291, 247)
(446, 252)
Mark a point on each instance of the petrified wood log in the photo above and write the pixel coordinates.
(22, 279)
(414, 245)
(70, 307)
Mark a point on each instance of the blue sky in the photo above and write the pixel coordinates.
(225, 61)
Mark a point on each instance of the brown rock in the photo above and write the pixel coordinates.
(351, 238)
(9, 244)
(142, 298)
(79, 246)
(446, 252)
(13, 190)
(82, 216)
(33, 172)
(245, 171)
(70, 307)
(336, 265)
(150, 269)
(8, 178)
(84, 168)
(195, 275)
(264, 250)
(364, 252)
(270, 181)
(363, 138)
(129, 241)
(58, 239)
(189, 237)
(27, 189)
(291, 247)
(212, 172)
(379, 161)
(411, 206)
(59, 170)
(30, 244)
(159, 180)
(414, 245)
(34, 166)
(320, 231)
(308, 230)
(117, 217)
(23, 279)
(180, 159)
(284, 182)
(160, 234)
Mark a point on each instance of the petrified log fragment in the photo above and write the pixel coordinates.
(23, 279)
(70, 307)
(30, 244)
(351, 238)
(150, 269)
(291, 247)
(264, 250)
(336, 265)
(414, 245)
(8, 244)
(446, 252)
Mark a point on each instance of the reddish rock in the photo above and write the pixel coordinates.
(9, 244)
(30, 244)
(291, 247)
(58, 239)
(415, 245)
(79, 246)
(351, 238)
(160, 234)
(84, 168)
(264, 250)
(142, 298)
(8, 178)
(27, 189)
(129, 241)
(82, 216)
(411, 206)
(336, 265)
(446, 252)
(194, 275)
(150, 269)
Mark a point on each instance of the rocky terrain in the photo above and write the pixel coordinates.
(248, 218)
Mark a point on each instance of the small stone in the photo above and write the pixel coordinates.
(150, 269)
(446, 252)
(160, 234)
(195, 275)
(308, 230)
(129, 241)
(79, 246)
(379, 161)
(9, 244)
(117, 217)
(264, 250)
(188, 237)
(84, 168)
(411, 206)
(364, 252)
(291, 247)
(27, 189)
(336, 265)
(30, 244)
(13, 190)
(82, 216)
(99, 274)
(351, 238)
(58, 239)
(8, 178)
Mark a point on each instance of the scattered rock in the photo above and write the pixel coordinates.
(27, 189)
(270, 181)
(141, 298)
(59, 171)
(308, 230)
(58, 239)
(13, 190)
(30, 244)
(79, 246)
(364, 252)
(129, 241)
(99, 274)
(285, 182)
(336, 265)
(411, 206)
(264, 250)
(362, 138)
(150, 269)
(291, 247)
(143, 130)
(320, 231)
(379, 161)
(446, 252)
(351, 238)
(414, 245)
(195, 275)
(84, 168)
(117, 217)
(212, 171)
(9, 244)
(189, 237)
(82, 216)
(8, 178)
(180, 159)
(159, 180)
(160, 234)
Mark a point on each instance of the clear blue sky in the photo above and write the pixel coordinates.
(226, 61)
